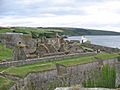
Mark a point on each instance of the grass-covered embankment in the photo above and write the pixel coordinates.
(5, 84)
(23, 70)
(5, 53)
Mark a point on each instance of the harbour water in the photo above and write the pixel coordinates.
(110, 41)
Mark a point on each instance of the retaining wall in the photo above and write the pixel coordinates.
(44, 59)
(49, 80)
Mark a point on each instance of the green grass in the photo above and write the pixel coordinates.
(79, 60)
(28, 30)
(107, 55)
(66, 31)
(2, 68)
(5, 84)
(5, 30)
(5, 53)
(87, 59)
(23, 70)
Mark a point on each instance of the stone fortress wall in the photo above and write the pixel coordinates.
(73, 75)
(49, 80)
(43, 59)
(49, 55)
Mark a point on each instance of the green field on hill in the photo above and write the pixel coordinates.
(62, 30)
(28, 30)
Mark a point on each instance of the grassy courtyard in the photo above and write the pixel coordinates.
(5, 53)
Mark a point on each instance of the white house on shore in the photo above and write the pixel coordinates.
(83, 39)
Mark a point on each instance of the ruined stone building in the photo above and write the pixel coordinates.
(35, 48)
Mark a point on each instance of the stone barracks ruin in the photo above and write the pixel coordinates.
(25, 47)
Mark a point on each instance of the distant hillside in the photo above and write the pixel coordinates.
(81, 31)
(61, 30)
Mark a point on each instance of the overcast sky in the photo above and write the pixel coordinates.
(93, 14)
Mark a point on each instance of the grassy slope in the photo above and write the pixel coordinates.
(5, 30)
(22, 71)
(81, 31)
(2, 68)
(66, 31)
(5, 84)
(28, 30)
(5, 53)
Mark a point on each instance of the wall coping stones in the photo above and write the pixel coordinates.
(70, 88)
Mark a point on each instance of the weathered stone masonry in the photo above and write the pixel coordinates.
(49, 80)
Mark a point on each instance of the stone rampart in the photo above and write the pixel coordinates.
(44, 59)
(49, 80)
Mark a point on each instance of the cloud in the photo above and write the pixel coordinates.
(102, 14)
(29, 2)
